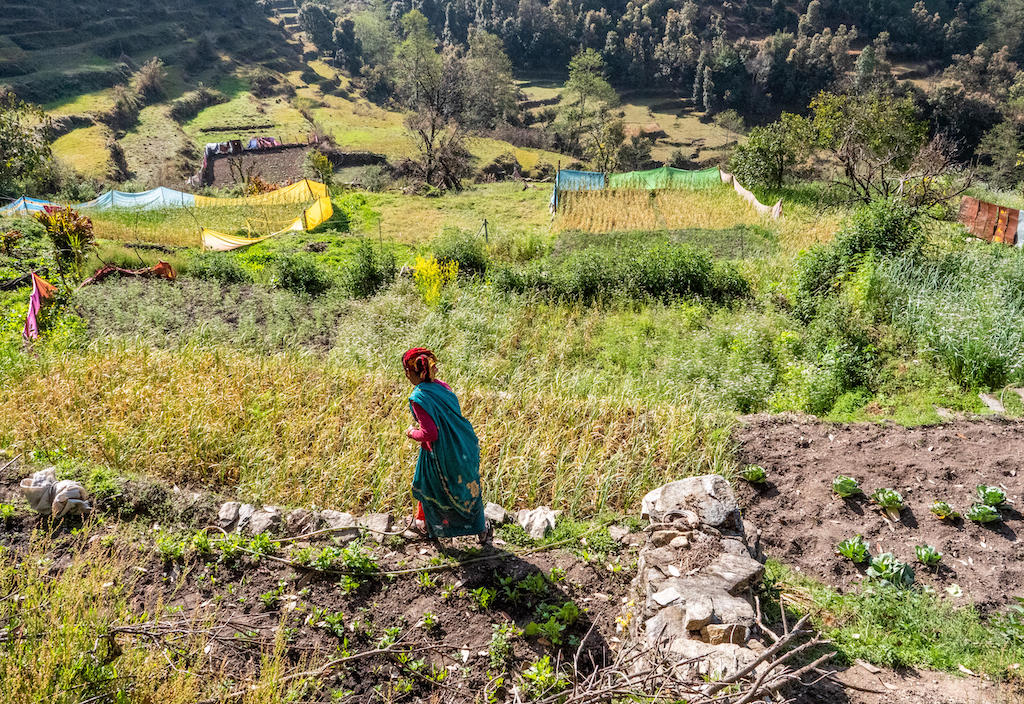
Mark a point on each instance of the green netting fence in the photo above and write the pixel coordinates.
(665, 177)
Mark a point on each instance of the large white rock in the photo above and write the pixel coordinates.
(708, 496)
(737, 572)
(227, 517)
(343, 524)
(264, 520)
(245, 512)
(377, 524)
(538, 521)
(496, 514)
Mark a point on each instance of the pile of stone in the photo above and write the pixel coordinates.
(249, 519)
(694, 578)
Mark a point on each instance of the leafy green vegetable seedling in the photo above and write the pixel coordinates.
(944, 511)
(983, 513)
(927, 555)
(890, 500)
(991, 495)
(890, 571)
(845, 486)
(755, 474)
(855, 548)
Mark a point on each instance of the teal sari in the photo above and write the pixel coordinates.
(447, 479)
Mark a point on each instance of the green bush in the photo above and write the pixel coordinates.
(882, 228)
(300, 273)
(370, 270)
(463, 247)
(217, 266)
(659, 271)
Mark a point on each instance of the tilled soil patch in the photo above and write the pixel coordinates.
(801, 520)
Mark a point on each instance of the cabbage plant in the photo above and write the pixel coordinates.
(855, 549)
(927, 555)
(845, 486)
(983, 513)
(890, 571)
(755, 474)
(991, 495)
(890, 500)
(944, 511)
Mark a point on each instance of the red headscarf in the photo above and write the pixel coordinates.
(421, 362)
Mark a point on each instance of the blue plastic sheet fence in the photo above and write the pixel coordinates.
(155, 199)
(569, 180)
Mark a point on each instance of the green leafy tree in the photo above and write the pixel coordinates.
(769, 154)
(348, 52)
(317, 21)
(416, 64)
(24, 142)
(1001, 162)
(879, 147)
(634, 154)
(375, 36)
(589, 94)
(708, 89)
(491, 93)
(603, 141)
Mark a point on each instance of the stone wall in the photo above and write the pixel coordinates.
(694, 579)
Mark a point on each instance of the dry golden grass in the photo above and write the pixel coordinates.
(715, 209)
(60, 619)
(608, 211)
(286, 429)
(180, 227)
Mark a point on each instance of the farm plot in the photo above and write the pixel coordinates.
(609, 211)
(180, 227)
(802, 520)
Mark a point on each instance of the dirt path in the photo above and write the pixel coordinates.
(870, 685)
(801, 520)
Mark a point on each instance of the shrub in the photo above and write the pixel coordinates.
(660, 271)
(318, 166)
(966, 308)
(193, 102)
(72, 238)
(217, 266)
(431, 276)
(370, 270)
(374, 178)
(884, 228)
(300, 273)
(462, 247)
(148, 82)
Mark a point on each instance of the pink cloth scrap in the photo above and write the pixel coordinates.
(41, 291)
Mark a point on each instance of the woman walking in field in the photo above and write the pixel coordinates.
(447, 479)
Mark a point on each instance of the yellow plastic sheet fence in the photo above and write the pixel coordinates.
(299, 192)
(311, 218)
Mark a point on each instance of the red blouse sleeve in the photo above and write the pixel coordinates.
(427, 432)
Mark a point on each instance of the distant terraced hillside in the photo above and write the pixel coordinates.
(69, 56)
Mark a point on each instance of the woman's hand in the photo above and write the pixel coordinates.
(410, 430)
